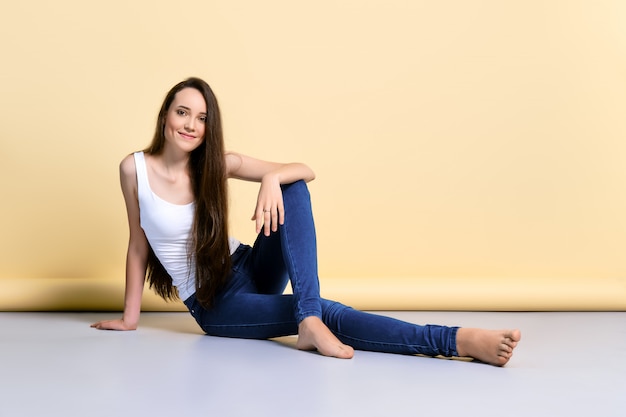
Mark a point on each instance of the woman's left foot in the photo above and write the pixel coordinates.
(314, 335)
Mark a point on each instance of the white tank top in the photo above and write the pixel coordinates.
(167, 227)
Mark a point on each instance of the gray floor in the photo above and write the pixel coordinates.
(53, 364)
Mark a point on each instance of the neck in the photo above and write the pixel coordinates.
(174, 162)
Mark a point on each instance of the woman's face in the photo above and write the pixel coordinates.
(185, 120)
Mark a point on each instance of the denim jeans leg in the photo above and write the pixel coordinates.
(366, 331)
(239, 310)
(299, 250)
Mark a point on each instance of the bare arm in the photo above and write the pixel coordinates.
(269, 211)
(251, 169)
(136, 256)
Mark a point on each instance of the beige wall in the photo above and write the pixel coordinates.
(459, 146)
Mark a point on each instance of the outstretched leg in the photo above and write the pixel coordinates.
(366, 331)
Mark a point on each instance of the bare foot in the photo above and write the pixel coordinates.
(314, 335)
(490, 346)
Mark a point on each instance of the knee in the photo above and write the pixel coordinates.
(298, 189)
(294, 186)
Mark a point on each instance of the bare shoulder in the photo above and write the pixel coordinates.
(127, 167)
(128, 176)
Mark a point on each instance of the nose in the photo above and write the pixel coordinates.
(190, 125)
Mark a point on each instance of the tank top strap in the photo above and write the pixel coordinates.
(143, 187)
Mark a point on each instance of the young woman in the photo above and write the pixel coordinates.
(176, 200)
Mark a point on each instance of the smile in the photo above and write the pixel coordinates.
(186, 136)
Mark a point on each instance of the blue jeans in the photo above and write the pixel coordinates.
(253, 306)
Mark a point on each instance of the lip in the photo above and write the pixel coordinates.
(186, 136)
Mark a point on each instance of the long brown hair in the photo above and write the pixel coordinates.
(207, 171)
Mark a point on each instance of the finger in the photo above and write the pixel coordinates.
(281, 213)
(275, 215)
(258, 218)
(267, 221)
(257, 222)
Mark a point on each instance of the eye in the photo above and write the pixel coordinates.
(203, 119)
(181, 112)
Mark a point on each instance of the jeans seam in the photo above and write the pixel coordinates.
(294, 281)
(372, 343)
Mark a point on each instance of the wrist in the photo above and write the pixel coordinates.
(271, 177)
(130, 323)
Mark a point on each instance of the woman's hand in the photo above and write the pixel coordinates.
(269, 212)
(118, 324)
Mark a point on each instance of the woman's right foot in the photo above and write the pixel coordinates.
(314, 335)
(494, 347)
